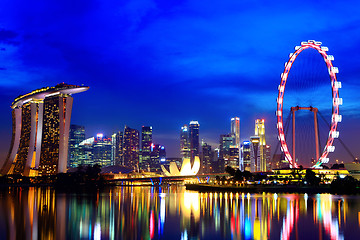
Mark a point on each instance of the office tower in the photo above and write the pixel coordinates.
(255, 161)
(194, 140)
(245, 164)
(131, 148)
(260, 131)
(268, 157)
(101, 150)
(41, 123)
(146, 141)
(113, 148)
(235, 130)
(76, 136)
(157, 156)
(229, 153)
(206, 158)
(86, 151)
(184, 142)
(218, 163)
(117, 147)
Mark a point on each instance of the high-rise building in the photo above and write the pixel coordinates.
(184, 142)
(158, 157)
(245, 164)
(131, 148)
(194, 139)
(41, 123)
(76, 136)
(206, 158)
(117, 147)
(268, 157)
(113, 148)
(260, 131)
(86, 151)
(229, 153)
(255, 161)
(235, 130)
(146, 141)
(101, 150)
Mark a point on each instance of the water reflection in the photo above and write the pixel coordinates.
(164, 213)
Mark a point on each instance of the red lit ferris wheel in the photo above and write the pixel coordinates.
(336, 102)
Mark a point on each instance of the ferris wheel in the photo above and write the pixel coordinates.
(336, 102)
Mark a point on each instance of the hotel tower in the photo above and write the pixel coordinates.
(40, 135)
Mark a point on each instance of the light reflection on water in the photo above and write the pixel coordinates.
(173, 212)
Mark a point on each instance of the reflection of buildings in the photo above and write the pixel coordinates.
(41, 122)
(150, 213)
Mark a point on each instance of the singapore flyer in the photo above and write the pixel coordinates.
(321, 157)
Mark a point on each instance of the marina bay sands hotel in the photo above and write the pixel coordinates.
(41, 122)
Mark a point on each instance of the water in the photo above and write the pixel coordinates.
(174, 213)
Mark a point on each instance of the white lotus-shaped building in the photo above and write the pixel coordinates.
(186, 169)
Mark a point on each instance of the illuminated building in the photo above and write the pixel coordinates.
(187, 169)
(86, 151)
(206, 158)
(117, 142)
(146, 141)
(130, 148)
(41, 123)
(184, 142)
(157, 156)
(235, 130)
(113, 148)
(229, 153)
(260, 131)
(255, 163)
(101, 150)
(194, 139)
(76, 136)
(268, 157)
(245, 164)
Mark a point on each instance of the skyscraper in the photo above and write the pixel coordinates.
(101, 150)
(255, 161)
(184, 142)
(131, 148)
(118, 148)
(158, 156)
(41, 123)
(206, 158)
(194, 139)
(76, 136)
(229, 153)
(245, 164)
(146, 141)
(260, 131)
(235, 130)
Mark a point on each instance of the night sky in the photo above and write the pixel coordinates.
(165, 63)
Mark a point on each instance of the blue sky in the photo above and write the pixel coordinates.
(164, 63)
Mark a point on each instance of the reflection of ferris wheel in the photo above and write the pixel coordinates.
(336, 101)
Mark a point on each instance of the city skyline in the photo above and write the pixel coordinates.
(164, 64)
